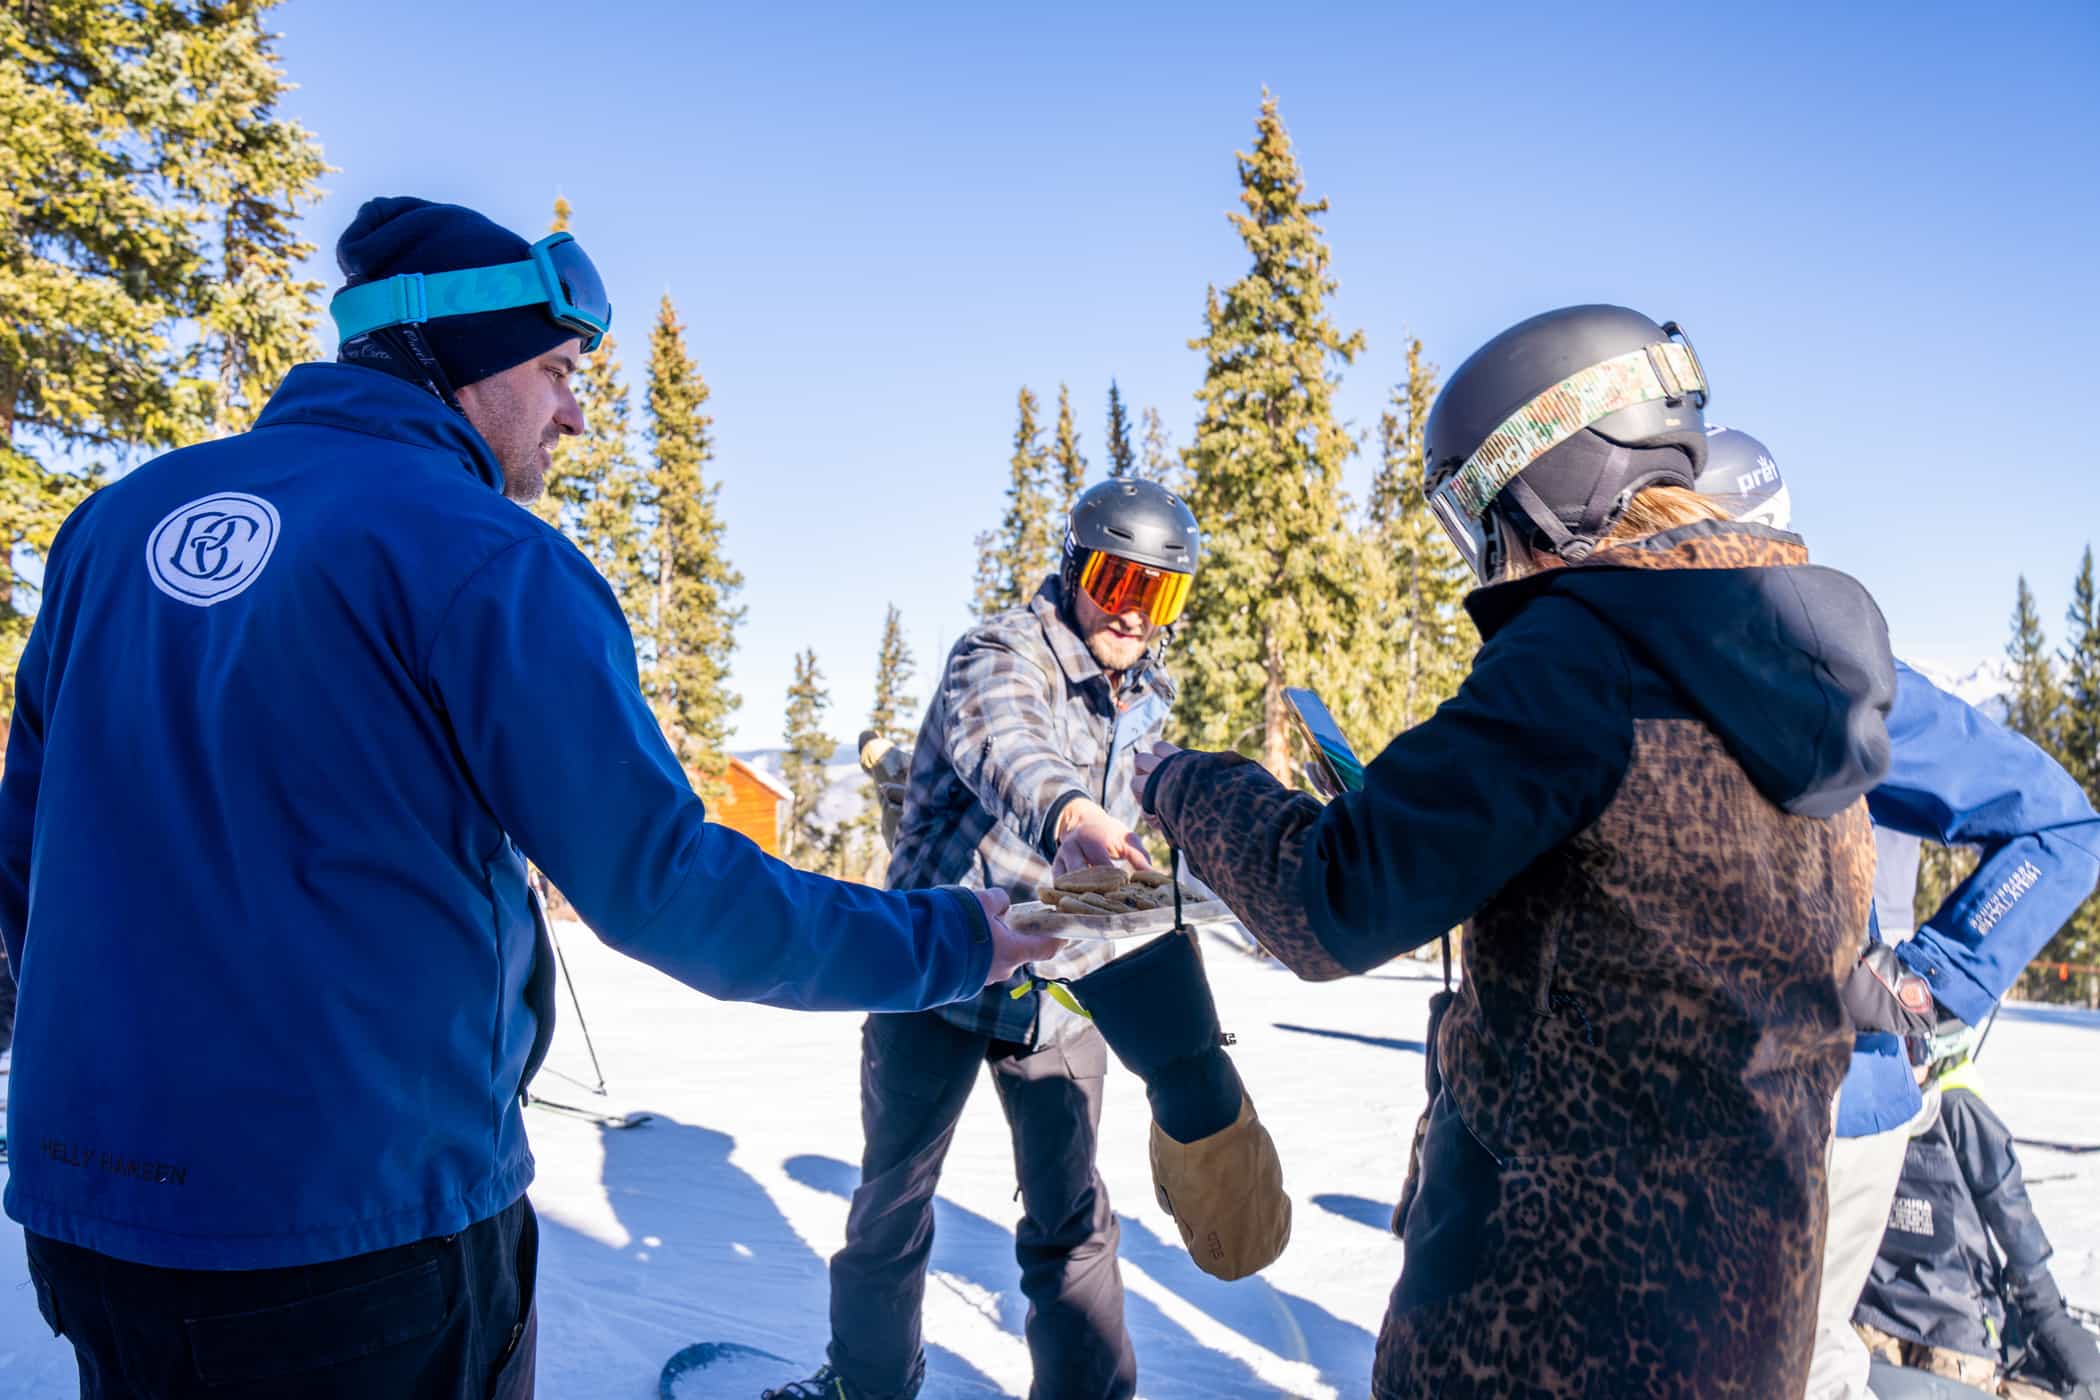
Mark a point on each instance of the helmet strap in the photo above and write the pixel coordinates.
(1599, 512)
(1539, 520)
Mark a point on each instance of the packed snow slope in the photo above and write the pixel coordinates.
(714, 1221)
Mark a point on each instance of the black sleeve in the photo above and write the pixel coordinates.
(1243, 833)
(1527, 754)
(1983, 1146)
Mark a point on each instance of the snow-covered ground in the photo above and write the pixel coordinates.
(714, 1221)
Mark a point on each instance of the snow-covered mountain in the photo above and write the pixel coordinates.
(1984, 684)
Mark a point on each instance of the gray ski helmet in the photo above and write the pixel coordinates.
(1134, 519)
(1554, 425)
(1742, 479)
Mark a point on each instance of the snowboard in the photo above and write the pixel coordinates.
(731, 1371)
(722, 1371)
(1901, 1383)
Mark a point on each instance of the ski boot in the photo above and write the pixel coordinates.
(827, 1385)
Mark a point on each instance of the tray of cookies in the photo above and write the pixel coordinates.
(1107, 901)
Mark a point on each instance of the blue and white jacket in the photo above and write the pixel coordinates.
(297, 707)
(1959, 778)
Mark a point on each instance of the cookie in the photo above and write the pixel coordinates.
(1093, 879)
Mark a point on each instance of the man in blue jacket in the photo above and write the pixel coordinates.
(1957, 778)
(297, 708)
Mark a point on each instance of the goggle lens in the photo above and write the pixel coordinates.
(1117, 585)
(1467, 535)
(583, 304)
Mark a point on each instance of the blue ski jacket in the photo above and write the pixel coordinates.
(296, 708)
(1959, 778)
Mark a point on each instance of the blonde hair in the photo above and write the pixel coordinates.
(1650, 512)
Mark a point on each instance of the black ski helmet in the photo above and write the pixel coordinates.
(1134, 519)
(1554, 425)
(1742, 479)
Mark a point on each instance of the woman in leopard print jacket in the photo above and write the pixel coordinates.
(1645, 804)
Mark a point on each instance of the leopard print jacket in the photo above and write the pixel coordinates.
(1647, 1042)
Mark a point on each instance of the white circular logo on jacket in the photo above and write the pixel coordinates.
(213, 548)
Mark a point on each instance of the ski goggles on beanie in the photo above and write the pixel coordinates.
(1118, 585)
(558, 273)
(1667, 370)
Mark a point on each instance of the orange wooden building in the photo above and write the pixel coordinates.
(754, 806)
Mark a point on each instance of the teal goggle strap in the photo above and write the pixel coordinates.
(414, 297)
(1665, 370)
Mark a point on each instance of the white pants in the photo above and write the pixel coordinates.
(1862, 1174)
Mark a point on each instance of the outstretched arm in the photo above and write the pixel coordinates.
(1959, 778)
(1000, 740)
(535, 670)
(1528, 753)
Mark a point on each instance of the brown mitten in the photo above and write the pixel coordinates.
(1225, 1193)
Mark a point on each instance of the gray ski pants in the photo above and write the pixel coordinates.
(916, 1073)
(1863, 1175)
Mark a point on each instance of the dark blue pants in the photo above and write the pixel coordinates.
(440, 1319)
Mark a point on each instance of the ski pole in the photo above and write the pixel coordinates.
(581, 1024)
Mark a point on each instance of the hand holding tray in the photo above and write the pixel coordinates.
(1036, 917)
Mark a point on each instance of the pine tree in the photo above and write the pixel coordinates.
(1940, 870)
(1122, 460)
(1013, 560)
(893, 712)
(2079, 940)
(565, 490)
(602, 461)
(146, 295)
(855, 851)
(692, 622)
(809, 749)
(2034, 705)
(1417, 640)
(2079, 732)
(1064, 456)
(1161, 463)
(852, 852)
(258, 318)
(1275, 596)
(594, 481)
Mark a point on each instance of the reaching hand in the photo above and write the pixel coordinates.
(1010, 949)
(1149, 760)
(1092, 837)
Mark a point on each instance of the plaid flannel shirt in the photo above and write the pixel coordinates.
(1024, 721)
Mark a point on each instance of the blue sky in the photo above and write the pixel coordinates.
(1878, 222)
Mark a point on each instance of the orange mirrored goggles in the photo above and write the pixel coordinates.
(1118, 585)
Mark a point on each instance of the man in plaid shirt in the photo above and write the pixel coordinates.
(1024, 764)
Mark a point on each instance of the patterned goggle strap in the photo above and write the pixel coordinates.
(1665, 370)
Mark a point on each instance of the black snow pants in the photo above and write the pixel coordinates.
(916, 1073)
(447, 1318)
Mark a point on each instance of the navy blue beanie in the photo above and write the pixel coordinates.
(401, 234)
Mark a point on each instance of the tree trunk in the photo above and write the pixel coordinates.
(1276, 733)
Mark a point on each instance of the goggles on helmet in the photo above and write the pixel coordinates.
(1118, 585)
(558, 273)
(1667, 370)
